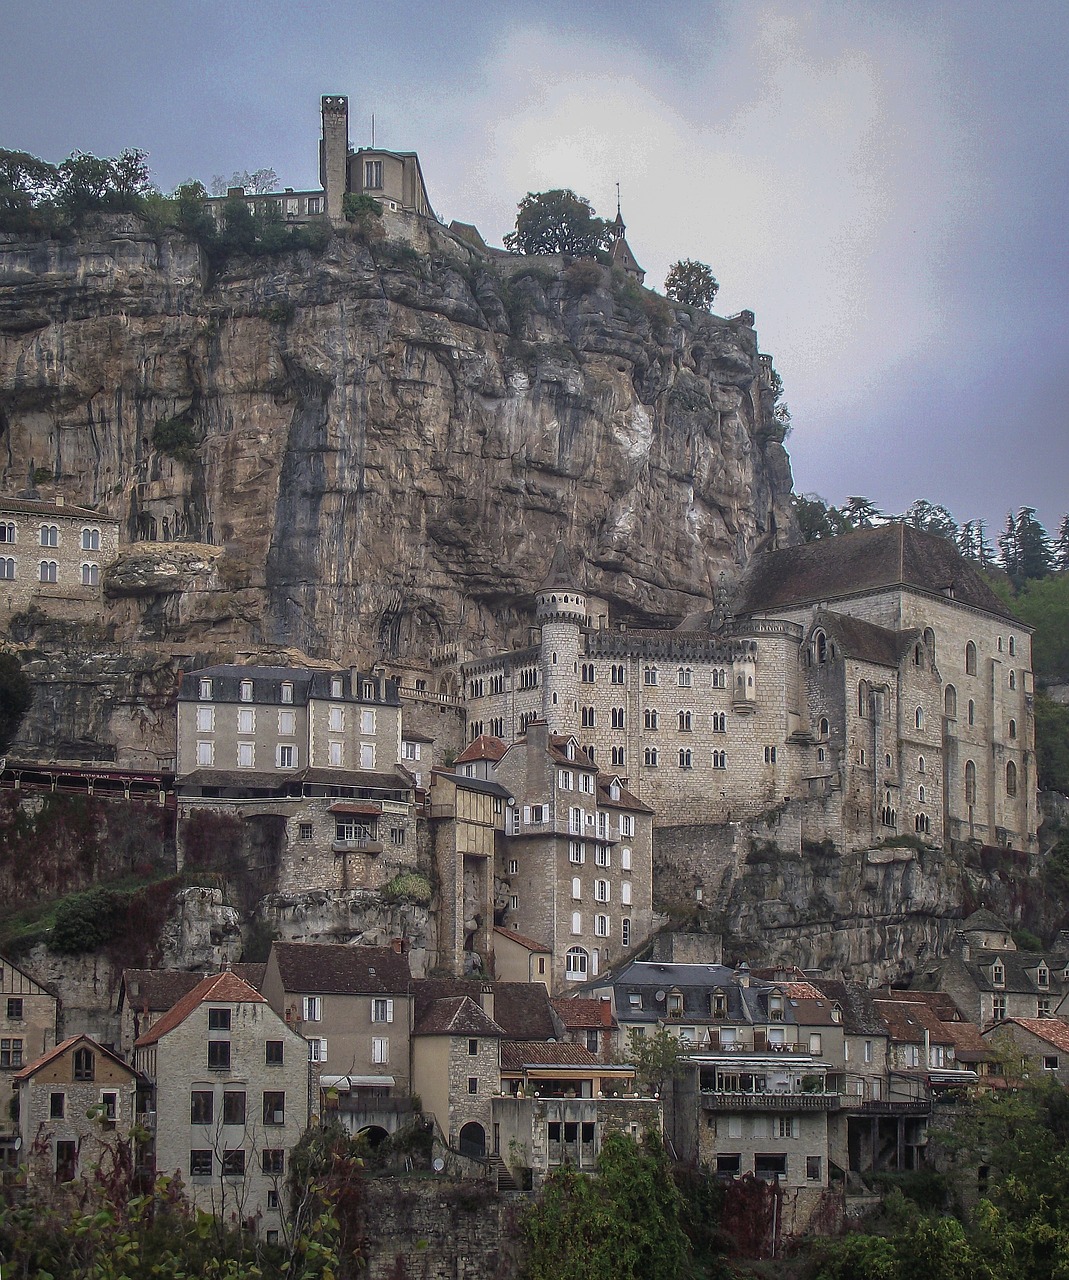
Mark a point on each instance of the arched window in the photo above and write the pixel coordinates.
(825, 727)
(719, 722)
(649, 675)
(576, 963)
(684, 759)
(1011, 779)
(577, 888)
(820, 644)
(970, 659)
(650, 718)
(617, 715)
(683, 677)
(1013, 646)
(920, 764)
(862, 698)
(972, 711)
(1013, 679)
(950, 702)
(90, 539)
(920, 794)
(1013, 728)
(84, 1064)
(90, 575)
(577, 922)
(918, 717)
(650, 757)
(684, 721)
(929, 641)
(49, 571)
(720, 760)
(970, 782)
(616, 756)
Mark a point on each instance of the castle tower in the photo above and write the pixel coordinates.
(334, 153)
(561, 610)
(620, 254)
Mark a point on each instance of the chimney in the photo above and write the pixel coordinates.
(742, 974)
(486, 999)
(59, 500)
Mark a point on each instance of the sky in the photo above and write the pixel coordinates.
(884, 183)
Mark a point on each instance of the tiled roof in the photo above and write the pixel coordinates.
(558, 750)
(519, 938)
(483, 785)
(456, 1016)
(940, 1003)
(866, 640)
(983, 919)
(484, 747)
(32, 1067)
(218, 988)
(562, 574)
(517, 1054)
(579, 1014)
(522, 1009)
(859, 1017)
(907, 1022)
(35, 507)
(627, 799)
(1052, 1030)
(252, 973)
(156, 990)
(969, 1043)
(315, 968)
(890, 555)
(801, 990)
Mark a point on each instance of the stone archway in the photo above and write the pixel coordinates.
(473, 1140)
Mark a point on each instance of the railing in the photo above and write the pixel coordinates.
(722, 1100)
(884, 1106)
(356, 846)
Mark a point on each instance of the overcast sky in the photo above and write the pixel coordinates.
(885, 184)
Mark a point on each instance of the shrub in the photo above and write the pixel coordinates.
(582, 278)
(176, 438)
(358, 207)
(87, 921)
(407, 886)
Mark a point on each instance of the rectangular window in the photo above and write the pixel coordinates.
(381, 1010)
(205, 753)
(729, 1166)
(867, 1055)
(246, 755)
(317, 1050)
(109, 1102)
(274, 1054)
(201, 1164)
(783, 1126)
(273, 1161)
(313, 1009)
(201, 1107)
(473, 1084)
(625, 933)
(205, 719)
(304, 831)
(57, 1104)
(246, 720)
(814, 1043)
(286, 756)
(233, 1164)
(373, 175)
(473, 1048)
(602, 856)
(564, 779)
(336, 719)
(813, 1168)
(219, 1019)
(380, 1050)
(1050, 1063)
(219, 1054)
(287, 723)
(367, 755)
(274, 1108)
(367, 721)
(234, 1106)
(14, 1008)
(287, 691)
(336, 754)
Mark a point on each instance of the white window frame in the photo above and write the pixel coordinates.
(380, 1050)
(312, 1008)
(381, 1009)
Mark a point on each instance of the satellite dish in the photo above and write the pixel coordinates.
(439, 1164)
(659, 995)
(511, 802)
(18, 1144)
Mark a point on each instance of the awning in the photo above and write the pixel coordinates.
(345, 1084)
(356, 809)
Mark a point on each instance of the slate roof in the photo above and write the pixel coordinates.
(456, 1016)
(522, 1009)
(35, 507)
(517, 1054)
(696, 983)
(475, 784)
(890, 555)
(558, 750)
(859, 1017)
(485, 747)
(155, 990)
(985, 920)
(31, 1068)
(315, 968)
(217, 988)
(866, 641)
(562, 574)
(940, 1003)
(267, 681)
(907, 1022)
(628, 800)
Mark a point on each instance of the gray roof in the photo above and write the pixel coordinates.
(267, 682)
(865, 640)
(311, 968)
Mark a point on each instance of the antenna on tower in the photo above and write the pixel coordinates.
(372, 130)
(617, 199)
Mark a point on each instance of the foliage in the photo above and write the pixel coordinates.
(622, 1225)
(973, 543)
(1043, 603)
(657, 1058)
(408, 886)
(582, 278)
(86, 921)
(356, 208)
(691, 283)
(817, 519)
(930, 517)
(15, 698)
(177, 438)
(1024, 548)
(557, 221)
(258, 182)
(1052, 744)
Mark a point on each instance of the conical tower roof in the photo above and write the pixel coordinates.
(562, 574)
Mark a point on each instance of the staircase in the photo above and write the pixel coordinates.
(505, 1179)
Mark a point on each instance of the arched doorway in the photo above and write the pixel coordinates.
(374, 1135)
(473, 1140)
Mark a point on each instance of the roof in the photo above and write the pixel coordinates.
(865, 640)
(33, 1067)
(908, 1023)
(456, 1016)
(485, 747)
(286, 780)
(859, 1017)
(558, 750)
(985, 920)
(528, 943)
(1051, 1030)
(318, 968)
(580, 1014)
(517, 1054)
(483, 785)
(969, 1043)
(35, 507)
(267, 682)
(889, 555)
(940, 1002)
(469, 232)
(217, 988)
(155, 990)
(562, 572)
(620, 255)
(521, 1009)
(626, 800)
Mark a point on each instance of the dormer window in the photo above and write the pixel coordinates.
(1043, 976)
(998, 974)
(287, 691)
(775, 1008)
(369, 691)
(675, 1004)
(837, 1013)
(205, 689)
(246, 691)
(720, 1004)
(336, 688)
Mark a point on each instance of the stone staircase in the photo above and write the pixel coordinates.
(505, 1179)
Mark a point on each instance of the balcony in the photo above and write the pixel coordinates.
(359, 844)
(884, 1107)
(770, 1101)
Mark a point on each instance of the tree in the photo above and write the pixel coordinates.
(860, 513)
(1061, 547)
(557, 222)
(1025, 550)
(973, 543)
(691, 283)
(257, 183)
(932, 518)
(656, 1058)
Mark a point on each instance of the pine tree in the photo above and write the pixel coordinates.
(1036, 559)
(1061, 547)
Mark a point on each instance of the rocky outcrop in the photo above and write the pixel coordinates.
(369, 450)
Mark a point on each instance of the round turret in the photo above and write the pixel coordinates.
(559, 598)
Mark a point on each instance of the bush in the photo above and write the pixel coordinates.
(177, 438)
(582, 278)
(407, 886)
(357, 207)
(87, 921)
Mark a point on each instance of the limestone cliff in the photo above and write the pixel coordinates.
(369, 450)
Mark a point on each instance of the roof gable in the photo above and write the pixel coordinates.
(217, 988)
(66, 1046)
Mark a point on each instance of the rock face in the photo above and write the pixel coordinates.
(378, 446)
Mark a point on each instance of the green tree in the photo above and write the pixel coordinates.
(930, 517)
(27, 189)
(1025, 549)
(860, 513)
(15, 698)
(557, 221)
(1061, 546)
(657, 1058)
(691, 283)
(1052, 745)
(259, 182)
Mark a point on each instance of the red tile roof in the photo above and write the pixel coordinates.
(908, 1021)
(32, 1067)
(326, 968)
(456, 1016)
(523, 941)
(1052, 1030)
(517, 1054)
(483, 748)
(579, 1014)
(217, 988)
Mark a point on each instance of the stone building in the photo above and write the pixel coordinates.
(308, 760)
(864, 687)
(53, 557)
(27, 1030)
(233, 1090)
(1043, 1043)
(145, 995)
(75, 1101)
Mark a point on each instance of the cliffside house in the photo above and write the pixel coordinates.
(232, 1092)
(145, 995)
(75, 1102)
(28, 1012)
(53, 556)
